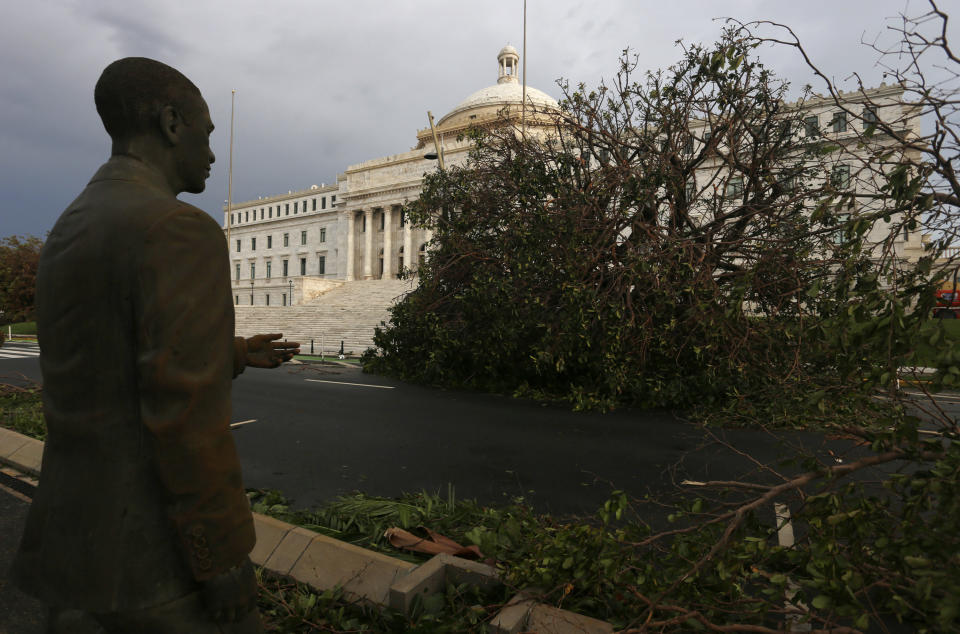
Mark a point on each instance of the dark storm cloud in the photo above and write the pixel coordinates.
(321, 86)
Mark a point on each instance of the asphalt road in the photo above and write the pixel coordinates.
(314, 440)
(314, 432)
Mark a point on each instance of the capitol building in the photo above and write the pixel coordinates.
(291, 248)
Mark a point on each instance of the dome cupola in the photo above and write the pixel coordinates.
(485, 104)
(509, 61)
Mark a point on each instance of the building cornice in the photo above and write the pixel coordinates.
(282, 197)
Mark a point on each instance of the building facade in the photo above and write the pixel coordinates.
(289, 248)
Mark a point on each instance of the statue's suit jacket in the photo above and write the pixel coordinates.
(140, 495)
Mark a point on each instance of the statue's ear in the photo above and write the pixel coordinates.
(171, 124)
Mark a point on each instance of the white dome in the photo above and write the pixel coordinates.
(507, 50)
(500, 95)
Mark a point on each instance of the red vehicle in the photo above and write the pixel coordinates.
(948, 301)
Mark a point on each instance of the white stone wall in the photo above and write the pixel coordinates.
(368, 190)
(268, 222)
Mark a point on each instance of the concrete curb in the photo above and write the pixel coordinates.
(364, 575)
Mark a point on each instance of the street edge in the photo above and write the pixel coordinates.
(363, 575)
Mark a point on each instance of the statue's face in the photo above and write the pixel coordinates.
(194, 154)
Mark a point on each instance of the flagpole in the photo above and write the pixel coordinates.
(230, 174)
(523, 109)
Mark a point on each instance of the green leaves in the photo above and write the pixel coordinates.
(822, 602)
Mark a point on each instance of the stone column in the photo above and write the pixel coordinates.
(388, 272)
(428, 236)
(408, 259)
(351, 249)
(368, 254)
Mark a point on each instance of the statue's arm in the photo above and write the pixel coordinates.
(262, 351)
(186, 361)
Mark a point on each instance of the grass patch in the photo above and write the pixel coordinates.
(23, 328)
(21, 409)
(361, 519)
(287, 606)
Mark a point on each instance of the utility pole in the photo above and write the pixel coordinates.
(230, 174)
(436, 143)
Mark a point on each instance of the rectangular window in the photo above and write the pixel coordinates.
(253, 270)
(269, 212)
(841, 235)
(383, 218)
(232, 220)
(333, 199)
(268, 300)
(690, 189)
(303, 266)
(735, 187)
(840, 176)
(788, 182)
(238, 246)
(285, 267)
(688, 146)
(323, 234)
(238, 272)
(839, 122)
(284, 299)
(286, 239)
(323, 203)
(783, 131)
(403, 218)
(253, 244)
(303, 237)
(363, 229)
(251, 300)
(321, 265)
(261, 213)
(269, 267)
(869, 116)
(269, 242)
(286, 207)
(314, 206)
(707, 136)
(246, 216)
(236, 300)
(294, 208)
(811, 126)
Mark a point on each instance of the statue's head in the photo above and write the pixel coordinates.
(143, 100)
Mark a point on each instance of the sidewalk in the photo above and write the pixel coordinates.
(19, 613)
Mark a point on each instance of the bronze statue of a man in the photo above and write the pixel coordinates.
(140, 519)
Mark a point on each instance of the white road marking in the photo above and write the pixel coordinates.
(786, 540)
(17, 352)
(382, 387)
(243, 422)
(784, 527)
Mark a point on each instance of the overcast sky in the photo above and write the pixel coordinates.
(322, 85)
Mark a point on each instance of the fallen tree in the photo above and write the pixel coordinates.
(628, 257)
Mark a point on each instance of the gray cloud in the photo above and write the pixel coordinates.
(322, 85)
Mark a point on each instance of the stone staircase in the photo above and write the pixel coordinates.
(348, 313)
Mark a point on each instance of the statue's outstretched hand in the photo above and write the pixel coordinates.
(264, 351)
(232, 594)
